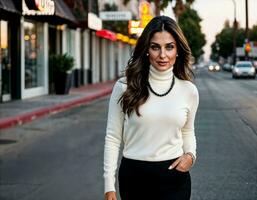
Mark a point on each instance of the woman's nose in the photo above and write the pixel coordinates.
(162, 53)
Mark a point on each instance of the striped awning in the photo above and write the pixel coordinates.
(61, 14)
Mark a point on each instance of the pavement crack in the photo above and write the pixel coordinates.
(245, 121)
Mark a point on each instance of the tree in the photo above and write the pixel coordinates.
(180, 7)
(253, 33)
(189, 22)
(226, 24)
(223, 44)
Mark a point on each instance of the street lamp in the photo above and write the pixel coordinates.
(234, 33)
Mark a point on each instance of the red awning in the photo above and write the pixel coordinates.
(106, 34)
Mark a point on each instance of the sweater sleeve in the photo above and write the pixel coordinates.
(188, 132)
(113, 137)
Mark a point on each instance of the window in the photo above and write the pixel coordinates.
(5, 62)
(34, 63)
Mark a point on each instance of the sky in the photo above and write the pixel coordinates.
(215, 12)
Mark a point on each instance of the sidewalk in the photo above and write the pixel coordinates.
(22, 111)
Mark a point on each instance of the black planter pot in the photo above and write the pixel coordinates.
(62, 82)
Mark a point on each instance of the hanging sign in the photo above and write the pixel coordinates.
(116, 15)
(134, 27)
(94, 22)
(145, 13)
(38, 7)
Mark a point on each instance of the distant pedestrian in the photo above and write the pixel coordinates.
(152, 112)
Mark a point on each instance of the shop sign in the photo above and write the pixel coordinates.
(145, 13)
(137, 27)
(38, 7)
(94, 22)
(134, 27)
(116, 15)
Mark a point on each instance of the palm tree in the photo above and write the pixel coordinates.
(178, 9)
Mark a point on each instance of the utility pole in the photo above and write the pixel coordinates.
(246, 28)
(246, 20)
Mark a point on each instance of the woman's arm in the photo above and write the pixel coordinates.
(188, 131)
(113, 137)
(185, 162)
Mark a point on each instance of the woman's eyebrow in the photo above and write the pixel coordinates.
(154, 43)
(170, 43)
(165, 44)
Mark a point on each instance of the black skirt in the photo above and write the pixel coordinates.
(143, 180)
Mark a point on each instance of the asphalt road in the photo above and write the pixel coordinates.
(60, 156)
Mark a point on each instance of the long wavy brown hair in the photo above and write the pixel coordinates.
(137, 70)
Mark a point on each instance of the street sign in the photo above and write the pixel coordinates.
(115, 15)
(94, 22)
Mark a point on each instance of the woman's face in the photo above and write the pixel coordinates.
(162, 51)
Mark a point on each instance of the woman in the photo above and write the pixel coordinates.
(152, 111)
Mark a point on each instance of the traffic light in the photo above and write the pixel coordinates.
(248, 47)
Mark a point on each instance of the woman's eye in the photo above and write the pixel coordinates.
(170, 47)
(155, 48)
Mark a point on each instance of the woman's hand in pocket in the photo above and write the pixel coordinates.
(110, 196)
(183, 163)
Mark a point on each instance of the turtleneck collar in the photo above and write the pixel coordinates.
(154, 74)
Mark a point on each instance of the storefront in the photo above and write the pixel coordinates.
(34, 48)
(63, 37)
(72, 40)
(108, 66)
(5, 65)
(30, 31)
(9, 21)
(44, 31)
(94, 24)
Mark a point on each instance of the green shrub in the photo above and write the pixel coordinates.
(61, 63)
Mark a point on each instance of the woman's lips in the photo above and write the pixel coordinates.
(162, 63)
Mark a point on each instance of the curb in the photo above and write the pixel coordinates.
(27, 117)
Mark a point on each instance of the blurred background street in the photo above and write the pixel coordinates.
(60, 156)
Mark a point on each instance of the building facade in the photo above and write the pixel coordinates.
(31, 33)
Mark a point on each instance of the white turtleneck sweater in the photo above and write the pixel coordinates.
(165, 129)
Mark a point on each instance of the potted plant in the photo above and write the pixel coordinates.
(62, 67)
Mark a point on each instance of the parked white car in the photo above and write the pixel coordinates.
(243, 69)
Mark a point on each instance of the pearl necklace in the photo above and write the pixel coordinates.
(164, 94)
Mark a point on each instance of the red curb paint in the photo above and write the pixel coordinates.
(27, 117)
